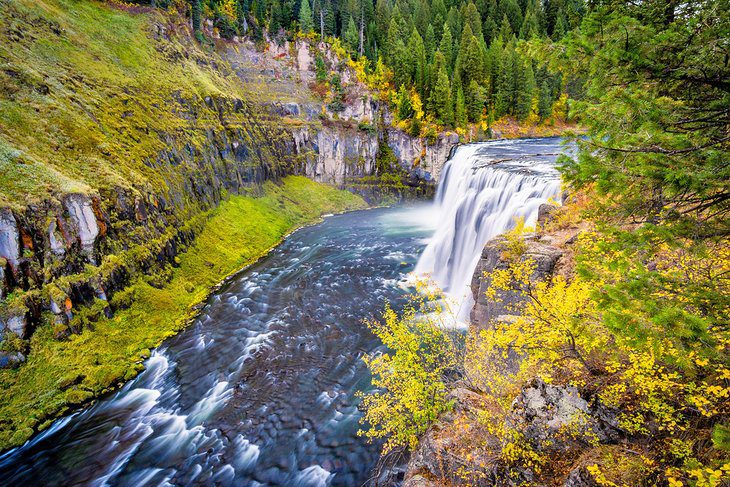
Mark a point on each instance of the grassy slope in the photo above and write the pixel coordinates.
(61, 374)
(84, 91)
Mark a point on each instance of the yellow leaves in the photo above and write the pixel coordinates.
(599, 477)
(409, 377)
(228, 8)
(518, 451)
(711, 477)
(416, 104)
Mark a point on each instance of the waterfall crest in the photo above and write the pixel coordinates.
(484, 188)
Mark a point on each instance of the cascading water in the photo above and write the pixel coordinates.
(484, 189)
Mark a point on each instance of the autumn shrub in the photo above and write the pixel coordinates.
(643, 331)
(411, 377)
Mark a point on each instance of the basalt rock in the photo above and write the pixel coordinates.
(9, 238)
(546, 214)
(73, 250)
(339, 143)
(485, 310)
(557, 418)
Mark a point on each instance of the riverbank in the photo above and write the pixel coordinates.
(60, 376)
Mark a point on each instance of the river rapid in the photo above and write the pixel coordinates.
(261, 388)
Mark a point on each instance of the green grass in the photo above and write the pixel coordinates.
(60, 375)
(87, 89)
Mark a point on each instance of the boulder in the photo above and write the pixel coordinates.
(10, 359)
(580, 477)
(558, 418)
(546, 214)
(84, 220)
(486, 310)
(9, 238)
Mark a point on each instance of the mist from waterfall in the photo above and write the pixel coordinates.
(484, 188)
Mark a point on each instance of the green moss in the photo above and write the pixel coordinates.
(86, 93)
(239, 231)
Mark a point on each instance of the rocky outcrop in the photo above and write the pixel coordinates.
(557, 418)
(422, 156)
(76, 249)
(551, 419)
(545, 257)
(336, 143)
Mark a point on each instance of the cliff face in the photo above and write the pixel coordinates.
(341, 143)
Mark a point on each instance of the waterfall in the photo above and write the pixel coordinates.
(484, 188)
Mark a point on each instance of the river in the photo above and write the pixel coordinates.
(260, 389)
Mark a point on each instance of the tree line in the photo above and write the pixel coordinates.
(461, 58)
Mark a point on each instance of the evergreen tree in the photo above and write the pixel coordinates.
(446, 47)
(405, 109)
(511, 10)
(460, 115)
(440, 99)
(525, 90)
(438, 17)
(400, 60)
(306, 22)
(561, 26)
(429, 43)
(195, 14)
(545, 101)
(417, 63)
(382, 20)
(490, 30)
(504, 83)
(474, 101)
(473, 19)
(505, 29)
(453, 19)
(351, 36)
(391, 43)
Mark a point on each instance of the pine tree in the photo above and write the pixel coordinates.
(504, 84)
(525, 90)
(351, 35)
(474, 101)
(429, 43)
(196, 13)
(400, 61)
(417, 62)
(405, 109)
(306, 21)
(505, 29)
(545, 101)
(446, 47)
(473, 19)
(440, 99)
(561, 26)
(438, 16)
(513, 12)
(460, 116)
(490, 30)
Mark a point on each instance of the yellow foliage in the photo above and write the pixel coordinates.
(409, 378)
(562, 334)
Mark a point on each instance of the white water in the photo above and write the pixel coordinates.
(485, 188)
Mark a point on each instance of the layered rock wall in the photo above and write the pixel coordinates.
(67, 251)
(337, 145)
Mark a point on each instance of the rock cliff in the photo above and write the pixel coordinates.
(338, 143)
(168, 156)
